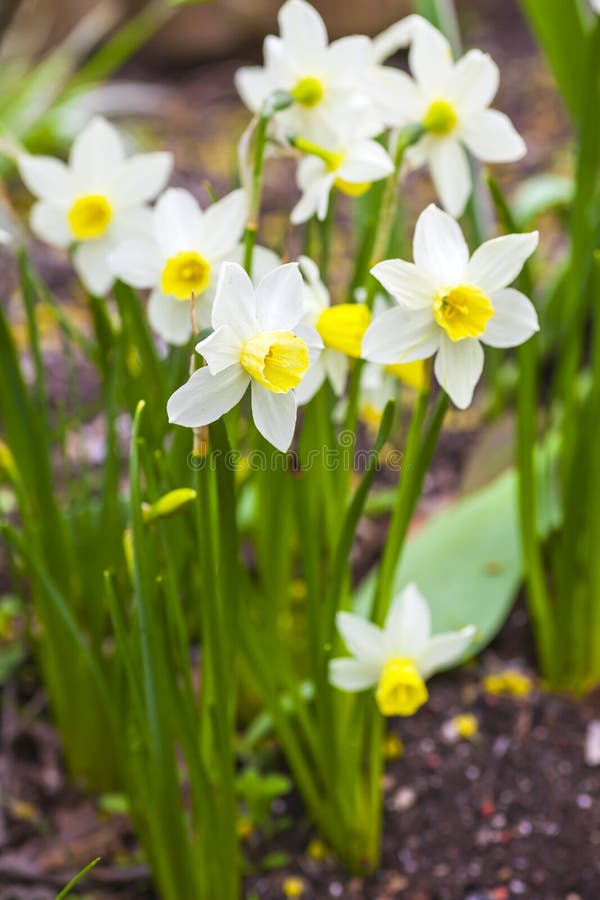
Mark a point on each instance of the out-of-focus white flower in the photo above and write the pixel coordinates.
(350, 162)
(258, 340)
(327, 81)
(180, 255)
(340, 327)
(398, 658)
(96, 201)
(448, 302)
(451, 101)
(595, 4)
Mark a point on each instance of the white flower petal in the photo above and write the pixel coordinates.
(439, 246)
(408, 623)
(279, 299)
(514, 321)
(311, 383)
(395, 95)
(451, 174)
(95, 156)
(222, 225)
(444, 650)
(234, 304)
(177, 218)
(406, 282)
(253, 85)
(90, 261)
(458, 366)
(220, 349)
(430, 58)
(170, 318)
(474, 82)
(141, 178)
(336, 366)
(205, 397)
(394, 38)
(133, 223)
(492, 137)
(274, 415)
(49, 223)
(47, 178)
(136, 262)
(352, 675)
(497, 263)
(303, 31)
(363, 639)
(366, 161)
(349, 56)
(401, 335)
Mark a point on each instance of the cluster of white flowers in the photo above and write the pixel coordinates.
(341, 99)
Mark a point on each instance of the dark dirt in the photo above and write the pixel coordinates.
(514, 812)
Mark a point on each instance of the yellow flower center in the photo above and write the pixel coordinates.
(441, 118)
(401, 690)
(89, 217)
(185, 274)
(276, 359)
(352, 189)
(308, 91)
(414, 374)
(462, 311)
(342, 327)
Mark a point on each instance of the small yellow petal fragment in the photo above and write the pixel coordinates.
(244, 829)
(393, 747)
(414, 374)
(293, 887)
(89, 217)
(276, 359)
(465, 725)
(185, 274)
(308, 91)
(510, 682)
(441, 118)
(401, 690)
(462, 311)
(342, 327)
(351, 188)
(317, 850)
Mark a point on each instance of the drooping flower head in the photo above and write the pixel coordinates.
(179, 255)
(451, 101)
(258, 341)
(326, 80)
(397, 659)
(449, 302)
(95, 201)
(348, 161)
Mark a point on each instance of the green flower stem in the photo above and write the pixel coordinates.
(278, 101)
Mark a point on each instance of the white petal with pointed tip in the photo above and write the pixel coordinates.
(514, 321)
(492, 137)
(362, 638)
(170, 318)
(444, 650)
(274, 415)
(474, 82)
(91, 264)
(406, 282)
(47, 178)
(222, 224)
(430, 58)
(136, 262)
(234, 304)
(220, 349)
(141, 178)
(205, 397)
(497, 263)
(303, 31)
(177, 218)
(451, 174)
(401, 335)
(96, 156)
(408, 623)
(279, 299)
(439, 246)
(49, 222)
(353, 674)
(458, 366)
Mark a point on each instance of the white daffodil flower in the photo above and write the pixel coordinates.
(96, 201)
(397, 659)
(180, 255)
(326, 80)
(258, 340)
(448, 302)
(340, 327)
(349, 162)
(450, 100)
